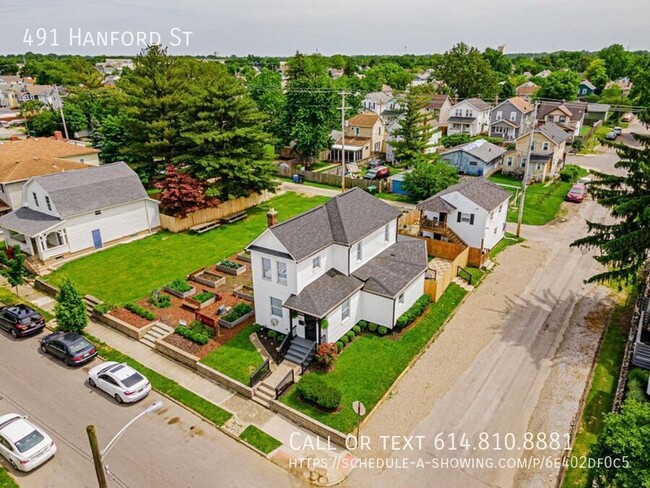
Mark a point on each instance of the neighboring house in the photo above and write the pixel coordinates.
(471, 116)
(11, 88)
(569, 116)
(439, 108)
(114, 66)
(316, 275)
(511, 118)
(422, 78)
(434, 140)
(476, 158)
(377, 102)
(597, 112)
(544, 74)
(365, 136)
(547, 153)
(474, 210)
(623, 83)
(527, 90)
(23, 159)
(46, 94)
(68, 213)
(586, 88)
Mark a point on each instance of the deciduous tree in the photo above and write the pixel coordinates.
(428, 178)
(560, 85)
(183, 194)
(465, 70)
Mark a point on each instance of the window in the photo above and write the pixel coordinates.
(387, 233)
(35, 199)
(315, 263)
(266, 269)
(473, 163)
(276, 307)
(377, 146)
(513, 116)
(345, 310)
(98, 212)
(562, 119)
(532, 146)
(282, 273)
(467, 218)
(495, 231)
(468, 112)
(359, 251)
(379, 130)
(523, 161)
(400, 299)
(48, 203)
(509, 160)
(458, 112)
(549, 118)
(545, 146)
(499, 115)
(357, 131)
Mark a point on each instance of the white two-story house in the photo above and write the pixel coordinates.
(474, 210)
(471, 116)
(316, 275)
(71, 212)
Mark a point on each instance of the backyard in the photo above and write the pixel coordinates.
(369, 365)
(127, 272)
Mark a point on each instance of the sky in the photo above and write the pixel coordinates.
(281, 27)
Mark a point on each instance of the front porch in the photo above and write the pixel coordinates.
(41, 247)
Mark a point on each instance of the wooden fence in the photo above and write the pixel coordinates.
(593, 129)
(203, 216)
(335, 180)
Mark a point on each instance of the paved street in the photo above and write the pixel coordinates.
(173, 448)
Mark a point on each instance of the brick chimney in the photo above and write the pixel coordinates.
(58, 135)
(271, 217)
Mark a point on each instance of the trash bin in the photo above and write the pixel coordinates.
(296, 178)
(301, 178)
(372, 189)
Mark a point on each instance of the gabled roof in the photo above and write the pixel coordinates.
(437, 101)
(38, 90)
(574, 110)
(477, 103)
(27, 221)
(365, 119)
(380, 97)
(96, 188)
(553, 132)
(436, 204)
(344, 220)
(481, 149)
(588, 84)
(527, 88)
(481, 191)
(519, 103)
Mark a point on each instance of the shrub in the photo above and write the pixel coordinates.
(180, 285)
(280, 337)
(104, 307)
(382, 330)
(414, 312)
(196, 332)
(350, 334)
(312, 388)
(227, 263)
(237, 312)
(344, 339)
(362, 324)
(339, 346)
(326, 354)
(329, 398)
(571, 172)
(204, 296)
(272, 334)
(159, 299)
(324, 324)
(372, 327)
(356, 329)
(141, 311)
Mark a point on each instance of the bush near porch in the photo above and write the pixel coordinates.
(128, 272)
(369, 365)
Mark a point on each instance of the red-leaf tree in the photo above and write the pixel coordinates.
(183, 194)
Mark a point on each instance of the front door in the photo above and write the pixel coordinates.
(311, 325)
(97, 239)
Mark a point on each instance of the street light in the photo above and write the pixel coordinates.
(99, 456)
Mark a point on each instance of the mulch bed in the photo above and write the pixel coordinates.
(130, 318)
(270, 345)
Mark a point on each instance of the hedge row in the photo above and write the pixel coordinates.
(312, 388)
(413, 313)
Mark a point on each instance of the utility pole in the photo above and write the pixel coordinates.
(343, 93)
(97, 457)
(65, 127)
(524, 182)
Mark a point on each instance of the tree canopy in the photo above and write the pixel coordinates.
(560, 85)
(429, 178)
(412, 138)
(467, 73)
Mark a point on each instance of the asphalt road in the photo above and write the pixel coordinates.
(172, 448)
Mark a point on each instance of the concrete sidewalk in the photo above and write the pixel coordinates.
(302, 452)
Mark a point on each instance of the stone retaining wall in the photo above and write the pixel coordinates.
(221, 378)
(173, 352)
(309, 423)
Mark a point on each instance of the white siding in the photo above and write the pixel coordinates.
(377, 309)
(336, 328)
(13, 194)
(414, 291)
(372, 245)
(474, 234)
(264, 290)
(495, 225)
(31, 188)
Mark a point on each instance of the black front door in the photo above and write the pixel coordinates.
(311, 324)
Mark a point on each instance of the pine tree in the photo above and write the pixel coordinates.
(624, 245)
(70, 309)
(412, 138)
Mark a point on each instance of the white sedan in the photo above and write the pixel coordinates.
(23, 444)
(120, 381)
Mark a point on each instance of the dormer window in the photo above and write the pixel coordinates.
(35, 199)
(48, 203)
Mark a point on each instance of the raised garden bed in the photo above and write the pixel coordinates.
(208, 278)
(196, 332)
(180, 288)
(244, 256)
(244, 291)
(238, 315)
(231, 267)
(200, 300)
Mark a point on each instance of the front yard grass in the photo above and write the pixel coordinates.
(127, 272)
(9, 298)
(237, 358)
(603, 387)
(6, 481)
(368, 367)
(507, 241)
(259, 439)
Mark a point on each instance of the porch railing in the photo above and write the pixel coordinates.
(285, 383)
(432, 223)
(284, 347)
(305, 363)
(260, 373)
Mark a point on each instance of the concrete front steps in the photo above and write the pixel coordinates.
(90, 302)
(157, 331)
(300, 351)
(265, 391)
(463, 284)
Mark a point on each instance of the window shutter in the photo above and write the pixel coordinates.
(471, 219)
(458, 215)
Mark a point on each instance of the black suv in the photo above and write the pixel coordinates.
(21, 320)
(70, 347)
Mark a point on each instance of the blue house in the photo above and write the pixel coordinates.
(586, 88)
(476, 158)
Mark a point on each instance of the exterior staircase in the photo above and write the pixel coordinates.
(90, 302)
(300, 351)
(156, 331)
(35, 266)
(265, 392)
(452, 236)
(463, 284)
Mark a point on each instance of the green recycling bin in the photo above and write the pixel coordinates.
(372, 189)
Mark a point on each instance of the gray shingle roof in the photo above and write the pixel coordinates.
(324, 293)
(395, 268)
(478, 103)
(598, 107)
(481, 149)
(344, 220)
(480, 190)
(28, 221)
(436, 204)
(553, 132)
(577, 109)
(76, 192)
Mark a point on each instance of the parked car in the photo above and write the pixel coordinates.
(378, 173)
(611, 136)
(577, 193)
(374, 164)
(23, 444)
(70, 347)
(120, 381)
(627, 117)
(21, 320)
(585, 180)
(618, 130)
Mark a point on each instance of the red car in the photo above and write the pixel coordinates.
(577, 193)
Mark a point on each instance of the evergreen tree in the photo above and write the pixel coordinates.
(70, 309)
(624, 245)
(414, 133)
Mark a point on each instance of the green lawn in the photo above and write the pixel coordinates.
(477, 275)
(507, 241)
(601, 394)
(128, 272)
(259, 439)
(9, 298)
(237, 358)
(368, 366)
(6, 481)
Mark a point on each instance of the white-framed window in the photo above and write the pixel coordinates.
(468, 112)
(35, 199)
(48, 203)
(387, 233)
(315, 263)
(400, 299)
(379, 130)
(465, 217)
(282, 273)
(562, 119)
(509, 160)
(266, 269)
(513, 116)
(499, 115)
(345, 310)
(532, 146)
(523, 161)
(458, 112)
(276, 307)
(545, 146)
(377, 146)
(359, 252)
(357, 131)
(549, 118)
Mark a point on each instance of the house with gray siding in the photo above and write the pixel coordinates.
(476, 158)
(511, 119)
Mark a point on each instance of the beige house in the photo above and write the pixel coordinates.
(365, 137)
(547, 153)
